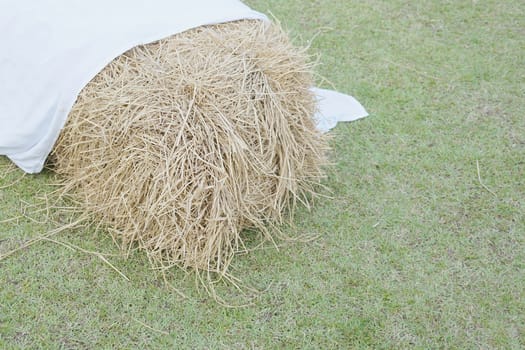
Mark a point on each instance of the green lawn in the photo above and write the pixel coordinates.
(421, 247)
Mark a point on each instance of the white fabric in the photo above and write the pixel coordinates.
(334, 107)
(50, 49)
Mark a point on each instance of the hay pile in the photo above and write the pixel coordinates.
(179, 145)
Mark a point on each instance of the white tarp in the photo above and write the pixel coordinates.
(50, 49)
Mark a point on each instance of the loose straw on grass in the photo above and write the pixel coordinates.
(43, 237)
(150, 328)
(481, 182)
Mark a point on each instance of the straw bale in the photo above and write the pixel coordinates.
(178, 146)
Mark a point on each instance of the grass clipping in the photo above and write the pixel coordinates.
(179, 145)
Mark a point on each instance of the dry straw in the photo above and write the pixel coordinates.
(179, 145)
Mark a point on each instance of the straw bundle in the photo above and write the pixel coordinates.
(179, 145)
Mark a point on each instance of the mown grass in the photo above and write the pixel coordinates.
(422, 245)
